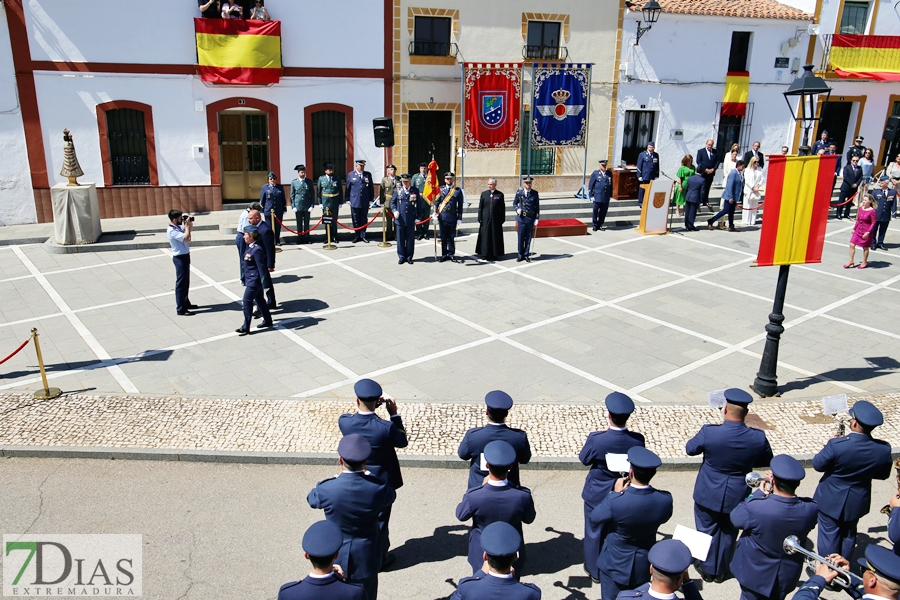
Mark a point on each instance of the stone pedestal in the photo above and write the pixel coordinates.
(76, 213)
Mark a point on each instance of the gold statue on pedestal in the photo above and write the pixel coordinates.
(70, 167)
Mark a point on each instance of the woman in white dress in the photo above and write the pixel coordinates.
(753, 180)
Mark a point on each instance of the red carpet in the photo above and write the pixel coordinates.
(559, 227)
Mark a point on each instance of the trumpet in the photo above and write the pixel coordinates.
(886, 509)
(792, 545)
(755, 480)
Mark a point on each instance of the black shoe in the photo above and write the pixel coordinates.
(527, 259)
(453, 259)
(242, 331)
(593, 229)
(401, 261)
(601, 228)
(520, 259)
(709, 224)
(365, 240)
(186, 313)
(594, 579)
(387, 561)
(882, 247)
(840, 218)
(256, 314)
(442, 259)
(192, 306)
(409, 260)
(265, 324)
(272, 306)
(704, 575)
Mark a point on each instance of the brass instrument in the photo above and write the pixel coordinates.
(886, 509)
(755, 480)
(792, 545)
(841, 428)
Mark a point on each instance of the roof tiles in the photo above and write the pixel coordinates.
(751, 9)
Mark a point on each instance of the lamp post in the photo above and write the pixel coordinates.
(650, 12)
(805, 87)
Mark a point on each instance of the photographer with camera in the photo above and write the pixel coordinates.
(179, 236)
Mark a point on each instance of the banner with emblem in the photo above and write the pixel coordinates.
(492, 94)
(560, 99)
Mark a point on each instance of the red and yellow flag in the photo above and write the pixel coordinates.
(236, 51)
(432, 188)
(737, 90)
(798, 196)
(866, 56)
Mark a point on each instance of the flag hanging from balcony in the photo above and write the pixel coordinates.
(798, 196)
(737, 90)
(236, 51)
(866, 56)
(560, 99)
(493, 104)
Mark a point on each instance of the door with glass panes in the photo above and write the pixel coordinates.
(244, 152)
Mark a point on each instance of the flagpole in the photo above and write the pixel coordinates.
(462, 130)
(530, 119)
(582, 191)
(766, 382)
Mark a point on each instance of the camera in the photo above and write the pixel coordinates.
(187, 218)
(379, 402)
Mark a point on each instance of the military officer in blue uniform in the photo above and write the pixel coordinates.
(497, 581)
(527, 205)
(384, 436)
(730, 451)
(271, 196)
(449, 209)
(352, 500)
(475, 440)
(321, 544)
(243, 222)
(255, 273)
(496, 500)
(423, 208)
(647, 170)
(885, 204)
(848, 465)
(600, 480)
(303, 198)
(880, 578)
(403, 205)
(633, 512)
(267, 241)
(361, 194)
(820, 144)
(600, 190)
(669, 562)
(329, 192)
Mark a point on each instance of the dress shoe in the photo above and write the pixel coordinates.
(387, 561)
(409, 260)
(365, 240)
(593, 229)
(256, 314)
(442, 259)
(185, 313)
(192, 306)
(356, 240)
(594, 579)
(272, 306)
(733, 229)
(453, 259)
(242, 331)
(710, 225)
(520, 259)
(840, 218)
(602, 228)
(527, 259)
(882, 247)
(704, 575)
(265, 324)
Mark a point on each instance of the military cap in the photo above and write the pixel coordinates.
(251, 229)
(328, 165)
(498, 400)
(405, 177)
(619, 404)
(884, 178)
(499, 454)
(670, 556)
(449, 174)
(859, 138)
(738, 396)
(651, 144)
(367, 390)
(825, 132)
(866, 413)
(603, 162)
(360, 161)
(884, 562)
(642, 458)
(423, 164)
(392, 167)
(527, 179)
(354, 448)
(500, 539)
(322, 539)
(272, 175)
(300, 168)
(787, 467)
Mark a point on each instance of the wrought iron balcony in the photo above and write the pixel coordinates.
(825, 63)
(545, 52)
(433, 49)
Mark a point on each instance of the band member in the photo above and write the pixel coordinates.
(449, 211)
(528, 211)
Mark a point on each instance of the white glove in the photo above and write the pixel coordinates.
(519, 211)
(434, 217)
(396, 214)
(309, 210)
(536, 221)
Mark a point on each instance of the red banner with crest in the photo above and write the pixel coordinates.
(493, 100)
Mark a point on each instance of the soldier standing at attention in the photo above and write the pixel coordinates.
(329, 192)
(449, 209)
(476, 439)
(528, 212)
(271, 196)
(600, 191)
(403, 207)
(385, 193)
(361, 194)
(422, 207)
(303, 197)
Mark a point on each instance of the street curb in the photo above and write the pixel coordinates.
(54, 248)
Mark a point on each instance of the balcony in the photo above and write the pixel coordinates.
(875, 57)
(432, 53)
(545, 52)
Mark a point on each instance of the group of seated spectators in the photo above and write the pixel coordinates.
(233, 9)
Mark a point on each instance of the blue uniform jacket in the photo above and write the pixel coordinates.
(267, 239)
(530, 204)
(600, 480)
(272, 197)
(488, 504)
(404, 202)
(734, 187)
(894, 529)
(759, 559)
(884, 203)
(477, 438)
(360, 189)
(730, 451)
(255, 273)
(384, 436)
(488, 587)
(818, 145)
(352, 501)
(453, 211)
(600, 186)
(693, 189)
(849, 464)
(688, 589)
(633, 517)
(319, 588)
(648, 166)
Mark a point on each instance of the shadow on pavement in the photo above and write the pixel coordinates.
(553, 555)
(149, 355)
(302, 305)
(448, 541)
(879, 365)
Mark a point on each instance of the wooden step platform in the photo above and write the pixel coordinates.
(559, 227)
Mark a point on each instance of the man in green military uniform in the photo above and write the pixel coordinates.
(303, 197)
(388, 185)
(423, 209)
(329, 192)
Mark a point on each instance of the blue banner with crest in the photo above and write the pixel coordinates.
(560, 100)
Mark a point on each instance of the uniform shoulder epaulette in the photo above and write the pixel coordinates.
(523, 488)
(631, 594)
(468, 580)
(532, 586)
(517, 430)
(840, 439)
(289, 585)
(881, 442)
(333, 477)
(666, 492)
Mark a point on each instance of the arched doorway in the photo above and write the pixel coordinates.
(329, 138)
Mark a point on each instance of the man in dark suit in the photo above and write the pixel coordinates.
(496, 500)
(633, 511)
(760, 565)
(361, 194)
(820, 144)
(852, 177)
(731, 197)
(600, 190)
(477, 438)
(754, 152)
(598, 484)
(730, 451)
(707, 162)
(648, 170)
(384, 436)
(849, 464)
(321, 544)
(694, 188)
(353, 500)
(669, 562)
(267, 237)
(501, 543)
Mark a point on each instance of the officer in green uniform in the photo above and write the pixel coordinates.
(388, 184)
(329, 192)
(303, 197)
(422, 207)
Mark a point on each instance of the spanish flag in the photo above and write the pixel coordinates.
(866, 56)
(737, 90)
(432, 188)
(236, 51)
(798, 195)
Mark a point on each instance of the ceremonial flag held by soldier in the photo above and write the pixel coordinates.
(432, 187)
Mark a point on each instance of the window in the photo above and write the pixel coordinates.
(539, 161)
(740, 51)
(732, 130)
(637, 133)
(854, 16)
(543, 40)
(432, 36)
(127, 146)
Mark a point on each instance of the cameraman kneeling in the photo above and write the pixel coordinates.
(179, 235)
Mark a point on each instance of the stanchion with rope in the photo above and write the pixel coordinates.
(272, 225)
(310, 230)
(361, 226)
(16, 351)
(48, 392)
(327, 220)
(384, 243)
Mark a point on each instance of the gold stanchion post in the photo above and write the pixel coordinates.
(48, 392)
(327, 221)
(384, 243)
(272, 224)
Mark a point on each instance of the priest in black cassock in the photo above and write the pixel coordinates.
(491, 215)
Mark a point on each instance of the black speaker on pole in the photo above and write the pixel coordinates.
(384, 132)
(892, 130)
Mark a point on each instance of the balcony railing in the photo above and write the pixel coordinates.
(825, 63)
(433, 49)
(545, 52)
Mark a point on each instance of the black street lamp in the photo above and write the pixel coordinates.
(650, 11)
(806, 88)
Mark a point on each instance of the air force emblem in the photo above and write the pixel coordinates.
(560, 110)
